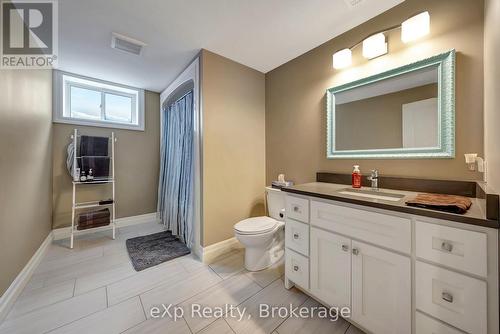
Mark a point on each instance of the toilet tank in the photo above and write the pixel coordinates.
(275, 203)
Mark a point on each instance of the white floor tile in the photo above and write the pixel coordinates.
(267, 276)
(191, 263)
(313, 325)
(354, 330)
(56, 315)
(81, 269)
(33, 284)
(231, 291)
(218, 327)
(160, 326)
(103, 278)
(34, 299)
(68, 260)
(274, 294)
(229, 265)
(179, 290)
(113, 320)
(145, 280)
(116, 293)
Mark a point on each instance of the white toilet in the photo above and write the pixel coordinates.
(264, 237)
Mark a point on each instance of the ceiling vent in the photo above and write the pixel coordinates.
(126, 44)
(353, 3)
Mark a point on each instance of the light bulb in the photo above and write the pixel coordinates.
(415, 27)
(374, 46)
(342, 59)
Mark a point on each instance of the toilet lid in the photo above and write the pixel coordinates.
(255, 225)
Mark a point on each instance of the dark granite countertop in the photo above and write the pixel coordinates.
(476, 215)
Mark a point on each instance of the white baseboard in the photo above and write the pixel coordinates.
(16, 287)
(65, 232)
(210, 253)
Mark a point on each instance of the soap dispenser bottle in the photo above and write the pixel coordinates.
(356, 177)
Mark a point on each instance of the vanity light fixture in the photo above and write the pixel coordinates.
(415, 27)
(342, 59)
(375, 45)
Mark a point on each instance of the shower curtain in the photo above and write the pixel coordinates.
(175, 189)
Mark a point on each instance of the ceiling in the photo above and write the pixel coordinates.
(262, 34)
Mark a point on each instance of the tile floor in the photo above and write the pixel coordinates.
(94, 289)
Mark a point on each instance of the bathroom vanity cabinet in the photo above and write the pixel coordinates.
(397, 272)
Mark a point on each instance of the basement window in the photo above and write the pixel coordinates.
(85, 101)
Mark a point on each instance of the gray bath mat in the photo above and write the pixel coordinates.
(151, 250)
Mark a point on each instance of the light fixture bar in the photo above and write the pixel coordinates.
(376, 45)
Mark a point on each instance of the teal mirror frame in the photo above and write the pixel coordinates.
(445, 63)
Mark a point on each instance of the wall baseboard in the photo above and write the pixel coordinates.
(9, 297)
(65, 232)
(211, 252)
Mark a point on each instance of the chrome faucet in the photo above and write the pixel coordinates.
(374, 178)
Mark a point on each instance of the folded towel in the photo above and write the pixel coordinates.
(92, 215)
(448, 203)
(93, 146)
(93, 222)
(85, 227)
(99, 166)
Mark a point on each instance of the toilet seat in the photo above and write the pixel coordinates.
(256, 225)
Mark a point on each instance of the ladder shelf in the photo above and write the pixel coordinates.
(93, 204)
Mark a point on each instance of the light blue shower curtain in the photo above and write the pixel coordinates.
(175, 189)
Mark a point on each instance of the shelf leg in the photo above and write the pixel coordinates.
(114, 180)
(72, 217)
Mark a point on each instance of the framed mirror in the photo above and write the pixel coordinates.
(407, 112)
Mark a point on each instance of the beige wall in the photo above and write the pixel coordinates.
(25, 167)
(137, 167)
(492, 91)
(233, 145)
(295, 93)
(379, 119)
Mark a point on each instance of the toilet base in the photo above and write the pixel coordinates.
(257, 259)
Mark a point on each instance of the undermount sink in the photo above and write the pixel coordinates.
(375, 194)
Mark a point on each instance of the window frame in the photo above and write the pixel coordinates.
(64, 81)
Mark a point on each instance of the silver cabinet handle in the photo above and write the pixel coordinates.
(355, 251)
(295, 235)
(295, 268)
(447, 297)
(447, 246)
(296, 209)
(345, 248)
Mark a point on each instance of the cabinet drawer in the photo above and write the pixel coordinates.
(451, 297)
(452, 247)
(381, 229)
(297, 236)
(297, 268)
(428, 325)
(297, 208)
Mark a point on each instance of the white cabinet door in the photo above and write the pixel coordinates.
(381, 290)
(330, 267)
